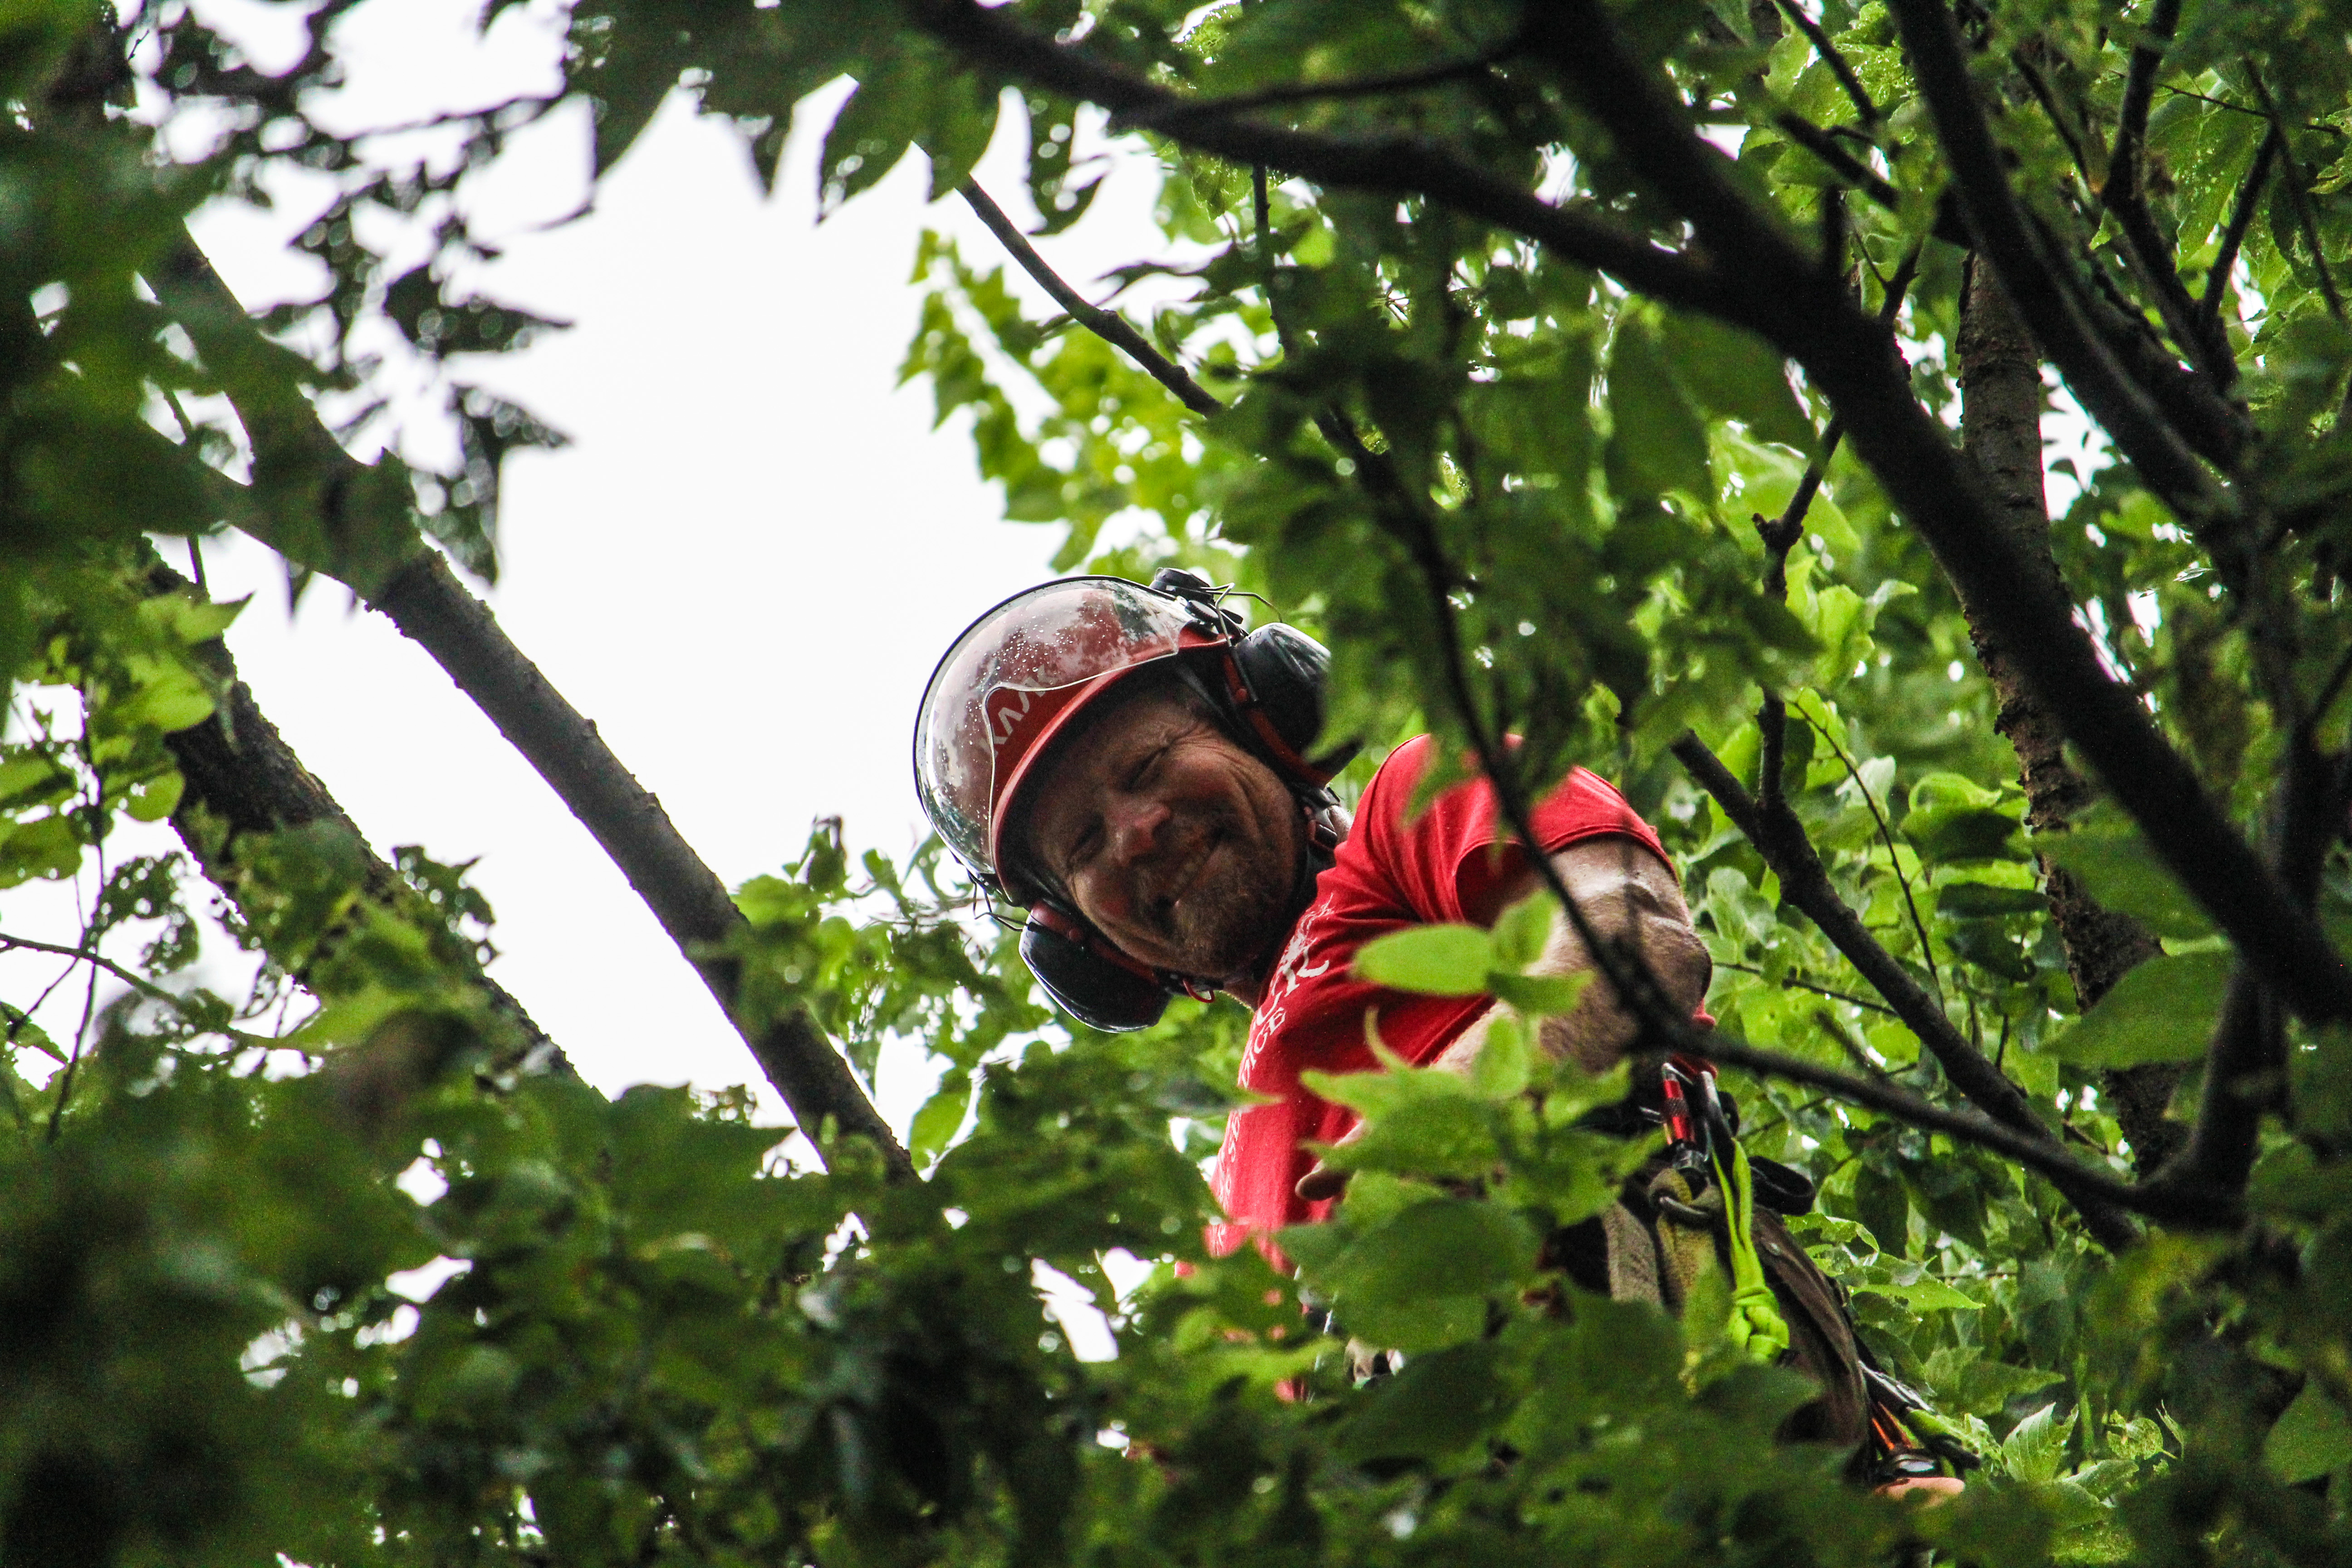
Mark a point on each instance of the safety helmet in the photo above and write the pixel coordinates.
(1020, 677)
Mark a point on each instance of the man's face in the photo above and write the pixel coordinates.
(1173, 840)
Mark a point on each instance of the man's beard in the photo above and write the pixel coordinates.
(1238, 912)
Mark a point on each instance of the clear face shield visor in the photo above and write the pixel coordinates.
(1019, 677)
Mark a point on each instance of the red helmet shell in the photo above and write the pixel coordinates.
(1015, 679)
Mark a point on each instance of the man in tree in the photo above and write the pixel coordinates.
(1131, 766)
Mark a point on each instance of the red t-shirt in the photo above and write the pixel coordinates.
(1389, 874)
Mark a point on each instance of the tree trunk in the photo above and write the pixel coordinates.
(2000, 429)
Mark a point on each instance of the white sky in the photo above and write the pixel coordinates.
(742, 569)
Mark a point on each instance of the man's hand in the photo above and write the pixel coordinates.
(1627, 895)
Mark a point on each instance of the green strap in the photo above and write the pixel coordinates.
(1756, 1325)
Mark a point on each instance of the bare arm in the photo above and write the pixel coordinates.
(1627, 894)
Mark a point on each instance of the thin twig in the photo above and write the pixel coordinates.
(1894, 854)
(2071, 1176)
(90, 931)
(1805, 884)
(1107, 325)
(2241, 217)
(2059, 120)
(2305, 219)
(1185, 113)
(1790, 982)
(136, 982)
(1828, 1025)
(1819, 37)
(1852, 170)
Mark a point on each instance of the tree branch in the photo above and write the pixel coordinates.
(2034, 279)
(2081, 1184)
(1402, 166)
(1184, 112)
(137, 982)
(236, 768)
(1819, 37)
(429, 605)
(1107, 325)
(297, 460)
(2241, 218)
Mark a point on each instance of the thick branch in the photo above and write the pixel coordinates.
(2001, 432)
(237, 769)
(1402, 166)
(1107, 325)
(2178, 1206)
(428, 604)
(300, 465)
(2034, 279)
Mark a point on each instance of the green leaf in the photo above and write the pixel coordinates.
(1438, 960)
(2313, 1437)
(1739, 375)
(1439, 1403)
(871, 134)
(2035, 1448)
(1521, 932)
(1442, 1247)
(1659, 442)
(1541, 995)
(2121, 873)
(2162, 1011)
(1922, 1292)
(1504, 1062)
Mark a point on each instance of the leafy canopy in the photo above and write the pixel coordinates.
(336, 1272)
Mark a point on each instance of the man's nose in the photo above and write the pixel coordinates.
(1135, 822)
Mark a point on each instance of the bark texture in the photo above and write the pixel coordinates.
(2001, 430)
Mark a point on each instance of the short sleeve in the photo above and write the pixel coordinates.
(1443, 860)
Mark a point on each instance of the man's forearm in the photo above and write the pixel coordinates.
(1627, 896)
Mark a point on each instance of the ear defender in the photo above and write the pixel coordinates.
(1286, 671)
(1094, 983)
